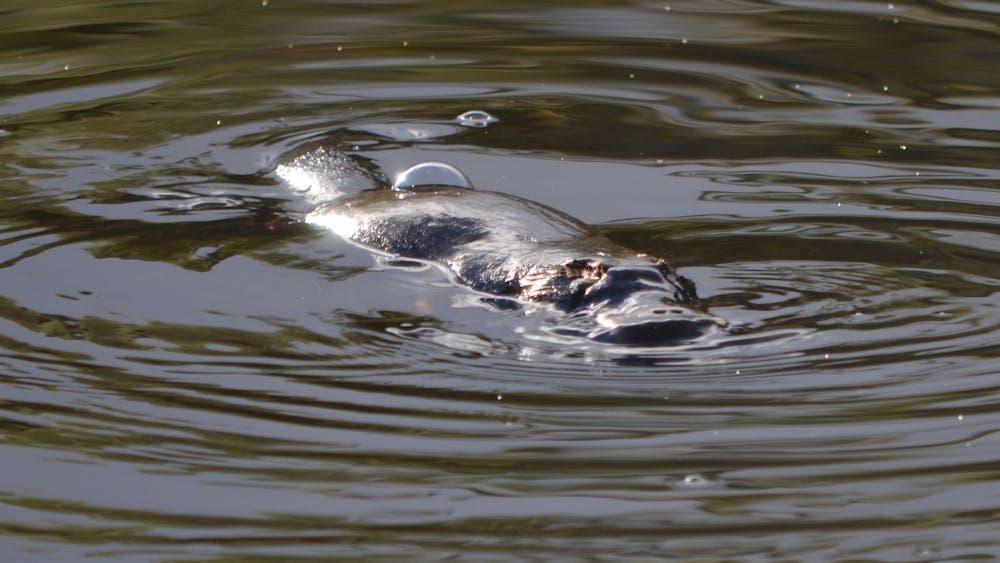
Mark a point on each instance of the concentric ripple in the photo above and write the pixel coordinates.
(188, 372)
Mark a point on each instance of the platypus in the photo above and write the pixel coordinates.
(502, 245)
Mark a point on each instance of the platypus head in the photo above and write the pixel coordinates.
(638, 305)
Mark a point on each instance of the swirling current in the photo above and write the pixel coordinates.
(188, 373)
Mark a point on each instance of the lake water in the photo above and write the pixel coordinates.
(184, 378)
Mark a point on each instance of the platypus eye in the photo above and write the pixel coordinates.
(429, 175)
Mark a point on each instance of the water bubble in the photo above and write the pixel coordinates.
(476, 118)
(695, 480)
(431, 175)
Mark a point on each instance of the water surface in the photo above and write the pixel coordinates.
(182, 377)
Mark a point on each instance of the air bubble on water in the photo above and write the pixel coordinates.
(666, 8)
(885, 88)
(218, 122)
(65, 67)
(695, 480)
(263, 3)
(902, 147)
(340, 48)
(476, 118)
(499, 397)
(684, 41)
(961, 417)
(431, 175)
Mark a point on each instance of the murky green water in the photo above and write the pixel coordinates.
(180, 380)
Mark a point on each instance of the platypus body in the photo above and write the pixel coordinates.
(502, 245)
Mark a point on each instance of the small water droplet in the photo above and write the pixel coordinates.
(666, 8)
(406, 43)
(684, 41)
(476, 118)
(630, 75)
(961, 417)
(737, 372)
(218, 122)
(926, 552)
(339, 48)
(885, 88)
(902, 147)
(826, 356)
(499, 397)
(65, 67)
(263, 3)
